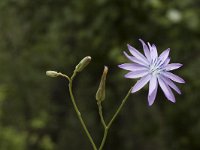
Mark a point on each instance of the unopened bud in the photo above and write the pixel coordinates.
(52, 73)
(101, 92)
(83, 63)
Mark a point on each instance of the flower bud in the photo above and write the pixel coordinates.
(101, 92)
(52, 73)
(83, 63)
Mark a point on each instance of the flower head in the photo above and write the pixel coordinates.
(153, 69)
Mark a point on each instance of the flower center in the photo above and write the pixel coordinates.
(154, 67)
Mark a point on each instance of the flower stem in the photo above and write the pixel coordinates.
(101, 115)
(119, 108)
(104, 138)
(78, 112)
(107, 127)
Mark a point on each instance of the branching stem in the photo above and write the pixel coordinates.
(106, 126)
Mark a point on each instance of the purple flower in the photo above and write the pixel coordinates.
(153, 69)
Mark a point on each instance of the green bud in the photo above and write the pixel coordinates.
(101, 92)
(83, 63)
(52, 73)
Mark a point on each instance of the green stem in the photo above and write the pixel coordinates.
(104, 138)
(106, 128)
(65, 76)
(101, 115)
(119, 108)
(79, 114)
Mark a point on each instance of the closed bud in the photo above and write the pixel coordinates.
(52, 73)
(101, 92)
(83, 63)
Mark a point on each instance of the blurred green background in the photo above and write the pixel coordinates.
(38, 35)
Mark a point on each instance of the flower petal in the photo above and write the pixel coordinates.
(149, 45)
(173, 77)
(153, 51)
(152, 96)
(173, 66)
(132, 66)
(166, 62)
(146, 50)
(167, 91)
(152, 84)
(137, 54)
(171, 84)
(141, 83)
(136, 74)
(164, 55)
(135, 60)
(128, 56)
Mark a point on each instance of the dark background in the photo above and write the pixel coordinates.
(38, 35)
